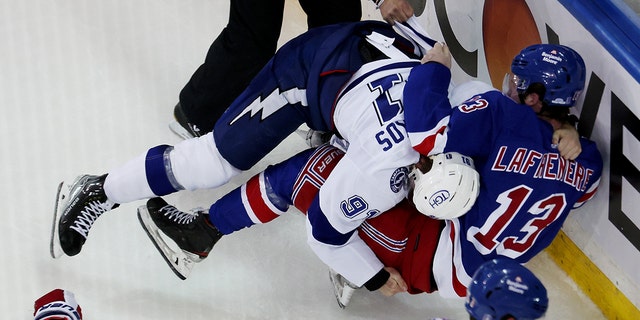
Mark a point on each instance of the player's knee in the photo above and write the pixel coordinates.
(197, 164)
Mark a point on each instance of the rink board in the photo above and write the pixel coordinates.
(600, 243)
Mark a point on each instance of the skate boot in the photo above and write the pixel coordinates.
(192, 232)
(76, 212)
(181, 125)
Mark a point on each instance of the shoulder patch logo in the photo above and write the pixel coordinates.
(399, 179)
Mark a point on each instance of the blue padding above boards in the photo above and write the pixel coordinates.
(614, 25)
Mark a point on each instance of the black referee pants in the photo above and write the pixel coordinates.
(243, 47)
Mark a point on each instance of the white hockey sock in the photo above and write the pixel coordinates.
(197, 164)
(128, 182)
(194, 164)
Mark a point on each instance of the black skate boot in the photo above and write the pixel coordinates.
(181, 126)
(85, 202)
(192, 232)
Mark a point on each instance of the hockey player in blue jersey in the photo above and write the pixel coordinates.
(525, 195)
(502, 289)
(348, 79)
(527, 189)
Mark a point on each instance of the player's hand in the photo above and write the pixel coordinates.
(568, 141)
(395, 283)
(439, 53)
(396, 10)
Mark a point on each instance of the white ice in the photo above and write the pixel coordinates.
(85, 86)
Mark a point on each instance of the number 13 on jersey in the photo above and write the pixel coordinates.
(540, 215)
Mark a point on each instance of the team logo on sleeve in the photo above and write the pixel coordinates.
(399, 179)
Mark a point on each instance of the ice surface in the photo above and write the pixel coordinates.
(87, 85)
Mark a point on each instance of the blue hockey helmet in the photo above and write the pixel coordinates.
(559, 68)
(503, 287)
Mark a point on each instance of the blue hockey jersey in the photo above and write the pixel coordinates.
(390, 110)
(526, 188)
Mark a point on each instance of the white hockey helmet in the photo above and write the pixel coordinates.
(449, 189)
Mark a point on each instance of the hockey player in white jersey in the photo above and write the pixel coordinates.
(410, 244)
(347, 79)
(301, 84)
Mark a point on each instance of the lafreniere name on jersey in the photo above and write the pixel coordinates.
(550, 166)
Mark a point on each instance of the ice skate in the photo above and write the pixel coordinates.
(342, 288)
(181, 125)
(75, 212)
(192, 232)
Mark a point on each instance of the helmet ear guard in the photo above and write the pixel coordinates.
(449, 189)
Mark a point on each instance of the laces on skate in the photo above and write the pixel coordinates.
(82, 224)
(181, 262)
(175, 215)
(75, 212)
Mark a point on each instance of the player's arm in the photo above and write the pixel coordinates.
(426, 102)
(344, 252)
(348, 255)
(335, 240)
(356, 262)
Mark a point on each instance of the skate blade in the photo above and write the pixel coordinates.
(54, 245)
(341, 289)
(178, 261)
(176, 128)
(63, 196)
